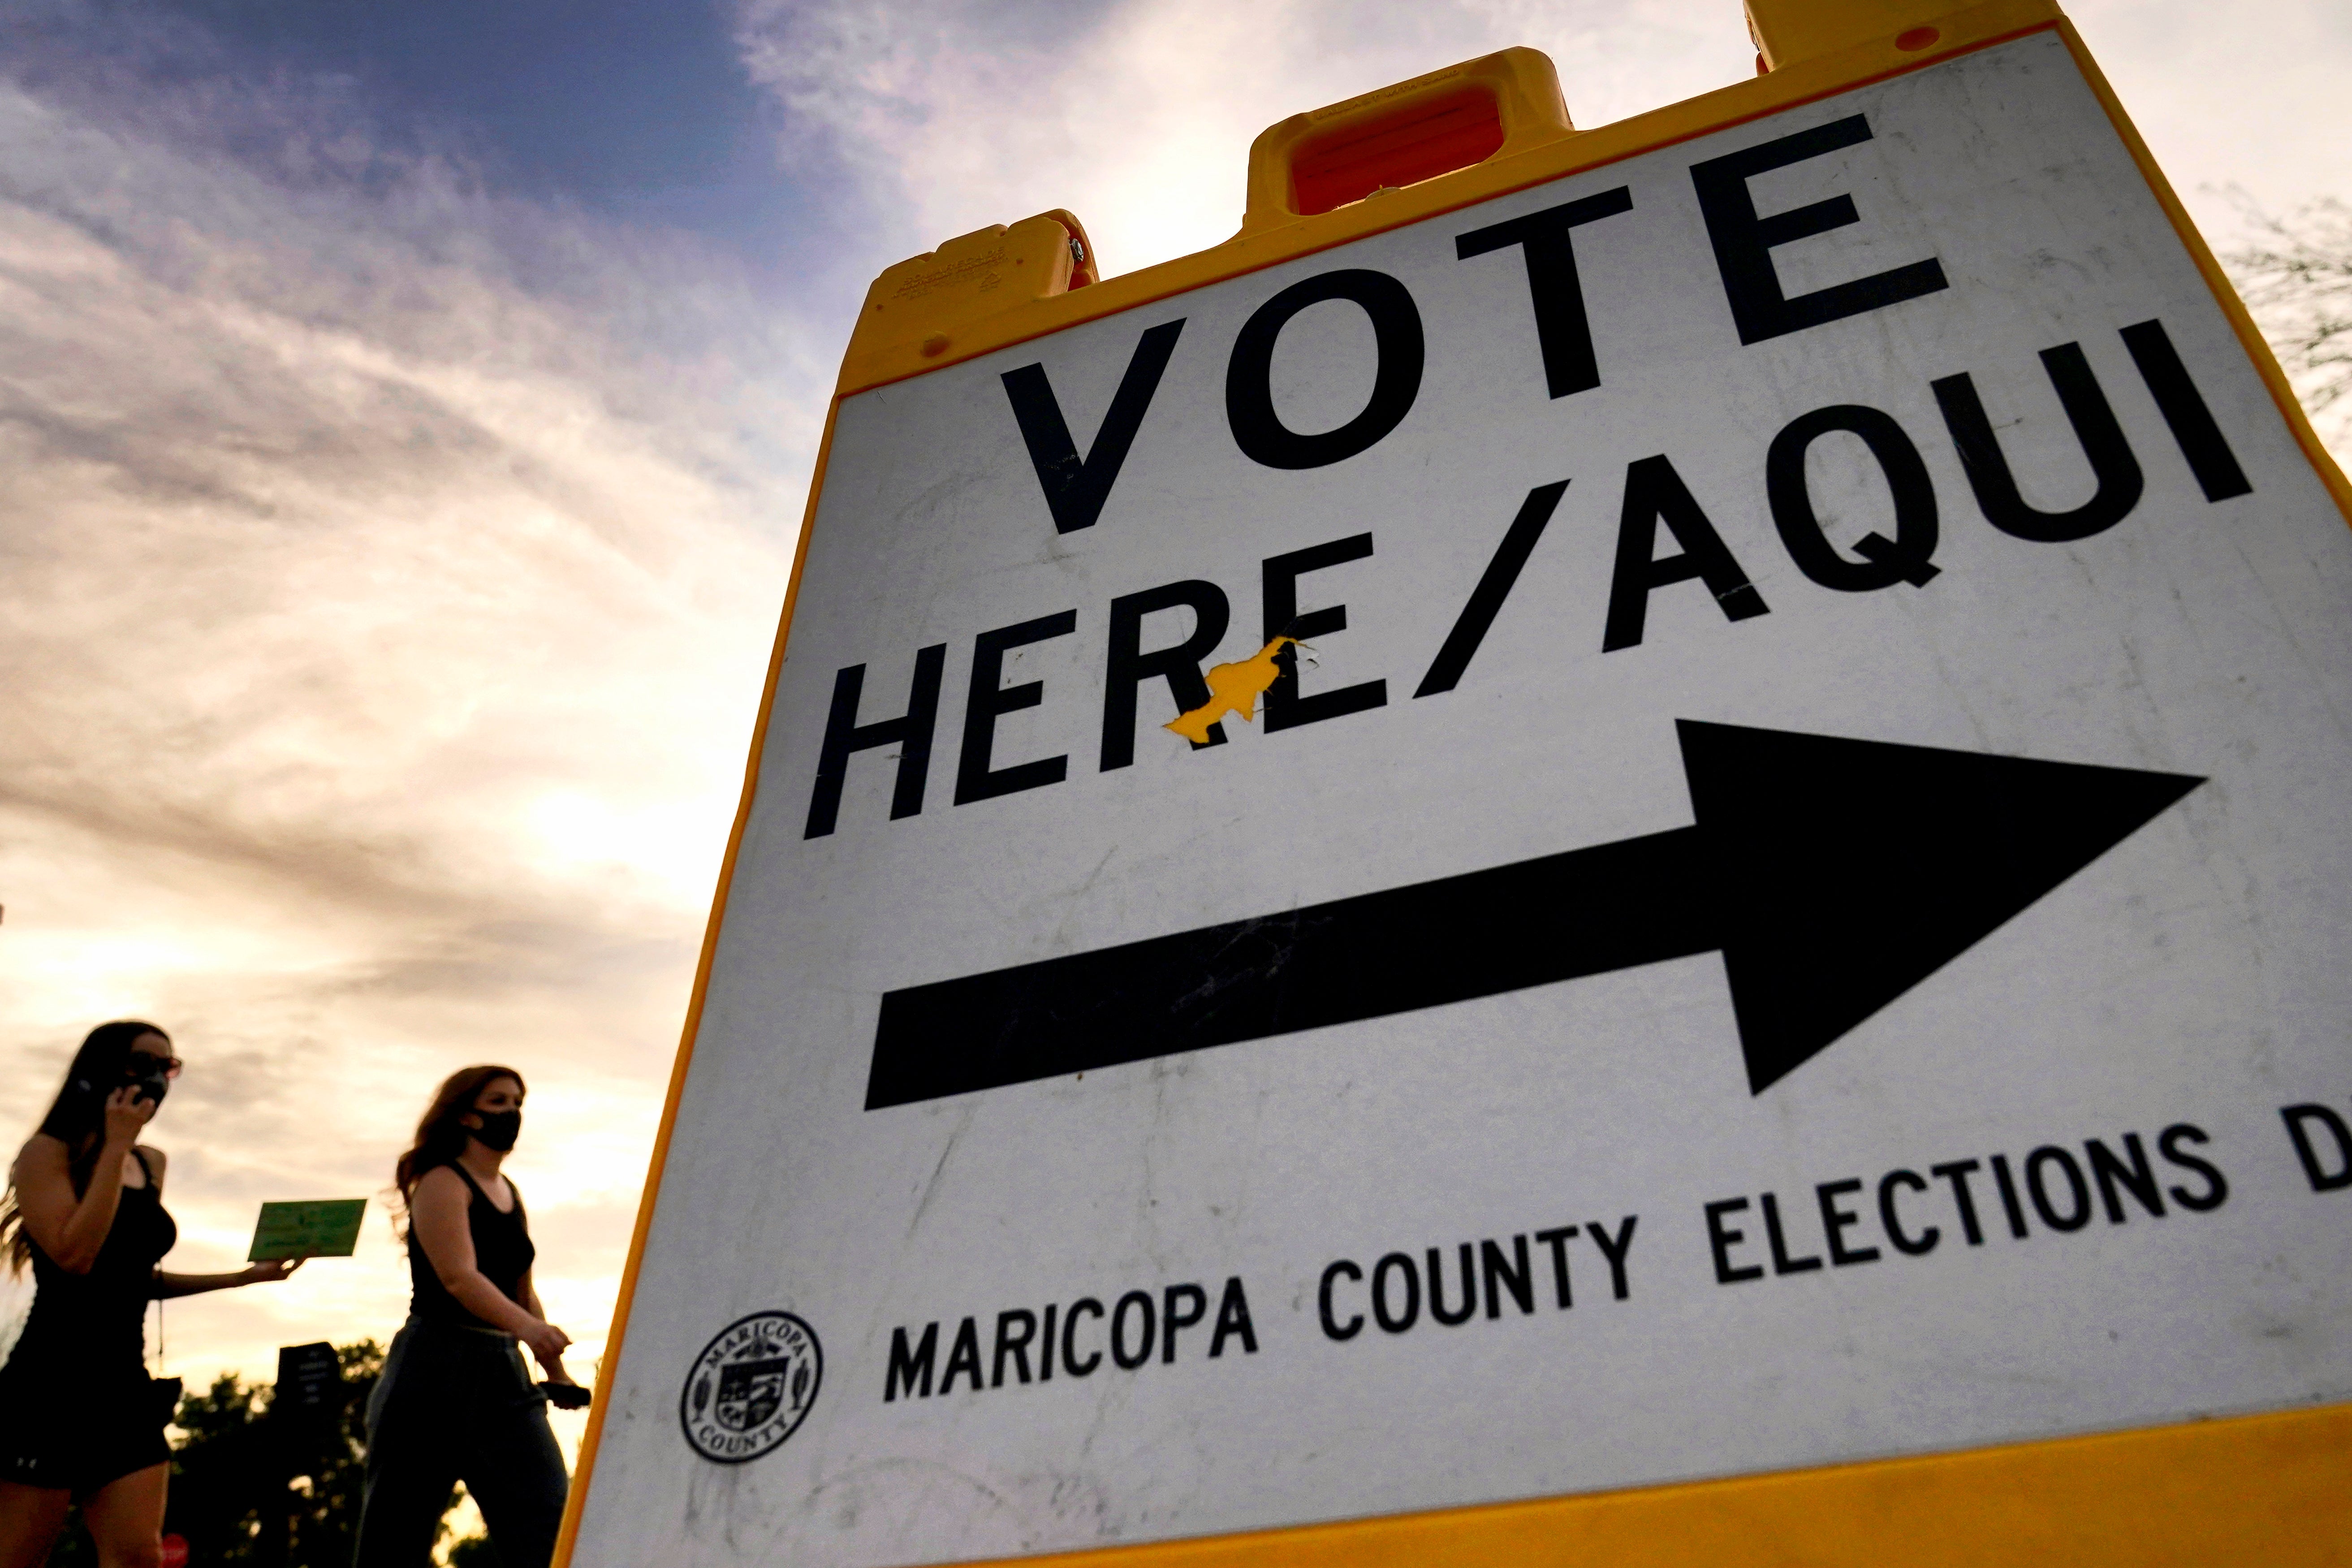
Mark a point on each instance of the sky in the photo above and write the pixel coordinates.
(405, 418)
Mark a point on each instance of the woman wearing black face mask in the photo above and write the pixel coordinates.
(80, 1418)
(454, 1402)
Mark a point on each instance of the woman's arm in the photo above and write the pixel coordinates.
(436, 1214)
(555, 1372)
(171, 1287)
(72, 1230)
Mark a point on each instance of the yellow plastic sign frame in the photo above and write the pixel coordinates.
(2274, 1488)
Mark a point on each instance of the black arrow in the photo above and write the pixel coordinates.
(1834, 875)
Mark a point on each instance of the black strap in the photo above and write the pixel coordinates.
(467, 1177)
(155, 1283)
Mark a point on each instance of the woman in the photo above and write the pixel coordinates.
(454, 1402)
(80, 1418)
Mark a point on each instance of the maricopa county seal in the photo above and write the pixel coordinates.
(751, 1387)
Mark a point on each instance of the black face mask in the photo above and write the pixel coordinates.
(152, 1082)
(150, 1078)
(499, 1129)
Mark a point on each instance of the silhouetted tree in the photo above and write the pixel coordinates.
(2296, 277)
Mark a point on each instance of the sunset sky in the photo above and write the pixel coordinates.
(405, 414)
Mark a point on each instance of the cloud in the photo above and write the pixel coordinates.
(390, 570)
(2250, 97)
(1139, 116)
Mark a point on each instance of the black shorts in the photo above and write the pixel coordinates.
(77, 1435)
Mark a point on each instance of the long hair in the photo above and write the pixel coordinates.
(76, 1118)
(440, 1136)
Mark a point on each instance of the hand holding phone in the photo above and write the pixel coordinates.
(126, 1113)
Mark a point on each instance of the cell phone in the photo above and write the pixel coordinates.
(566, 1396)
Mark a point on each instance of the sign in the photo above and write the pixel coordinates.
(1677, 815)
(307, 1404)
(318, 1227)
(310, 1379)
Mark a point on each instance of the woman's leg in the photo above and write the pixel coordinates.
(412, 1429)
(519, 1488)
(409, 1490)
(30, 1517)
(515, 1471)
(125, 1517)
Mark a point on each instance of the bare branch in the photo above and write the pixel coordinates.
(2296, 276)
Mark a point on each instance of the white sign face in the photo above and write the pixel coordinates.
(1787, 903)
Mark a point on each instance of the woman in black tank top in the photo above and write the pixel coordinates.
(455, 1402)
(80, 1418)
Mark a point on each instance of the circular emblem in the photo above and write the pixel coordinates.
(751, 1387)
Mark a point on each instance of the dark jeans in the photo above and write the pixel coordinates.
(455, 1405)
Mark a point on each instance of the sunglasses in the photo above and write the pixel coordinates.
(142, 1063)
